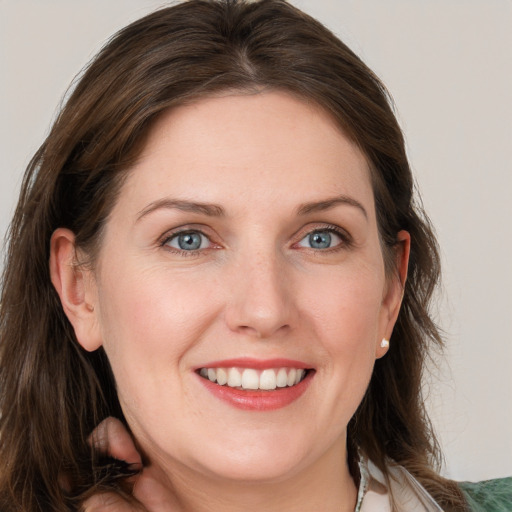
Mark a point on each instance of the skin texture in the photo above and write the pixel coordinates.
(256, 288)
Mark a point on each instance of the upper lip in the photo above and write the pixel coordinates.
(258, 364)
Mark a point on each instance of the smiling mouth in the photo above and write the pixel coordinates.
(252, 379)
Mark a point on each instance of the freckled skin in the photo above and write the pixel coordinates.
(256, 288)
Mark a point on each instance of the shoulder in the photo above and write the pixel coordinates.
(489, 496)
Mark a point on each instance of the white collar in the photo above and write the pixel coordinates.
(376, 492)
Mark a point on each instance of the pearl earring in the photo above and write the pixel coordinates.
(384, 343)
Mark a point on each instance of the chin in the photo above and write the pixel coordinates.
(258, 468)
(257, 458)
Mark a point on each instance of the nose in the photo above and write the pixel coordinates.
(261, 302)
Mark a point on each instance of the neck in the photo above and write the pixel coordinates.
(325, 485)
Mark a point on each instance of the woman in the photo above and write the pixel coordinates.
(237, 271)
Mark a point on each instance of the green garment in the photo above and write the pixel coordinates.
(408, 495)
(489, 496)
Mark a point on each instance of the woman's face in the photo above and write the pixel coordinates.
(243, 247)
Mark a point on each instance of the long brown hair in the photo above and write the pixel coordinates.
(52, 392)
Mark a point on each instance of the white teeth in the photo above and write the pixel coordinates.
(234, 378)
(222, 376)
(282, 378)
(249, 378)
(268, 379)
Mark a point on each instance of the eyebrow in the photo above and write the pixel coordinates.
(327, 204)
(211, 210)
(214, 210)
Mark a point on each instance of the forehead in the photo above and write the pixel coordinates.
(248, 146)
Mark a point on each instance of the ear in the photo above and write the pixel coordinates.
(394, 293)
(76, 287)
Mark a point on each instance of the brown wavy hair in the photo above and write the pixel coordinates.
(52, 392)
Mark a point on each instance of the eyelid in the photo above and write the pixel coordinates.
(163, 241)
(176, 237)
(343, 234)
(346, 238)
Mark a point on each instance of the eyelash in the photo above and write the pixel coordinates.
(346, 240)
(181, 252)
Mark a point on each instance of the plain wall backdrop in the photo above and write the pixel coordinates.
(448, 65)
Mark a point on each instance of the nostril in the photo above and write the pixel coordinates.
(254, 312)
(262, 331)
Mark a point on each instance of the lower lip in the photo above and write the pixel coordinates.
(256, 400)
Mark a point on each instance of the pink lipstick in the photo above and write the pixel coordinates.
(259, 385)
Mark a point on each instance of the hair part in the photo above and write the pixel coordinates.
(52, 392)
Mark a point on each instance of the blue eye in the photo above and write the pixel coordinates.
(188, 241)
(321, 239)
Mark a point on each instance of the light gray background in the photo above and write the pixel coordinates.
(448, 66)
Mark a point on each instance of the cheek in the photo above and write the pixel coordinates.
(344, 317)
(347, 310)
(149, 321)
(148, 325)
(346, 320)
